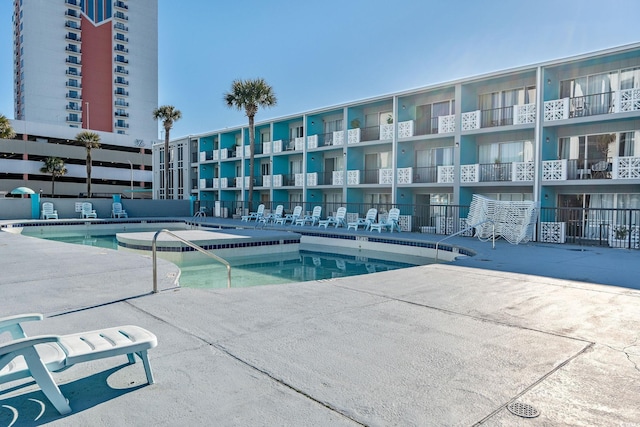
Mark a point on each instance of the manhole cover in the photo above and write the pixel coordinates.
(523, 410)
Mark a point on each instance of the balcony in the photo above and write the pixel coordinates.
(72, 14)
(627, 167)
(74, 119)
(73, 96)
(119, 103)
(120, 70)
(121, 16)
(73, 61)
(121, 49)
(121, 92)
(121, 81)
(72, 25)
(120, 26)
(74, 3)
(121, 125)
(72, 107)
(120, 5)
(121, 60)
(621, 101)
(73, 49)
(121, 38)
(73, 37)
(121, 114)
(74, 85)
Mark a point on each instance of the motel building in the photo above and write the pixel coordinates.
(560, 133)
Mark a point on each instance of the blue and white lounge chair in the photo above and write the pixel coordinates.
(117, 211)
(337, 221)
(38, 356)
(254, 215)
(87, 211)
(312, 219)
(369, 219)
(48, 212)
(390, 223)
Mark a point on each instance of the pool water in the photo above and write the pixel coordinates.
(306, 265)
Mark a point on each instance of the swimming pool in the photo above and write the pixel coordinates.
(310, 262)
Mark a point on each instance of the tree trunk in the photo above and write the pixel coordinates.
(166, 163)
(252, 145)
(89, 173)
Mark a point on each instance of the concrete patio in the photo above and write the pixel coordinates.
(443, 344)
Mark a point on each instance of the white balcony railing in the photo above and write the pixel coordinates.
(277, 146)
(266, 181)
(386, 131)
(266, 147)
(524, 114)
(312, 141)
(385, 176)
(338, 137)
(470, 120)
(445, 174)
(224, 182)
(470, 173)
(447, 124)
(405, 129)
(298, 179)
(405, 175)
(353, 136)
(554, 170)
(337, 178)
(299, 143)
(277, 180)
(312, 179)
(353, 177)
(522, 171)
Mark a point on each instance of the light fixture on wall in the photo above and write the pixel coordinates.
(403, 106)
(457, 144)
(313, 158)
(403, 151)
(547, 139)
(313, 123)
(548, 81)
(546, 197)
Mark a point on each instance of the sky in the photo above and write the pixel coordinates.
(321, 53)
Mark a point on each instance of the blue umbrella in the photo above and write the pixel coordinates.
(22, 190)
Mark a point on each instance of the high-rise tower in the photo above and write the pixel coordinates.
(87, 63)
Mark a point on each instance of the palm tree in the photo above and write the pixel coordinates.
(249, 95)
(55, 167)
(168, 114)
(90, 140)
(6, 131)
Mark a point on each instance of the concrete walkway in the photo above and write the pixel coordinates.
(436, 345)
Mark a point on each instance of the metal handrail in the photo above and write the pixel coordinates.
(493, 234)
(188, 243)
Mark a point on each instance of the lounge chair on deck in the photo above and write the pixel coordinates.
(254, 215)
(390, 223)
(38, 356)
(117, 211)
(369, 219)
(337, 221)
(48, 212)
(292, 217)
(313, 218)
(88, 211)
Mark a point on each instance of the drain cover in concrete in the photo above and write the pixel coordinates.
(523, 410)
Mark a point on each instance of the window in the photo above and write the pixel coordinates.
(331, 126)
(627, 145)
(427, 116)
(296, 132)
(265, 135)
(505, 152)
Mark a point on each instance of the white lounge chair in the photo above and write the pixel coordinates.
(313, 218)
(275, 215)
(117, 211)
(369, 219)
(88, 211)
(254, 215)
(337, 221)
(390, 223)
(292, 217)
(38, 356)
(48, 212)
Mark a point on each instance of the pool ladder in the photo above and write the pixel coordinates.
(190, 244)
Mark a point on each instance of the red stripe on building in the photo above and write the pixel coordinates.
(97, 73)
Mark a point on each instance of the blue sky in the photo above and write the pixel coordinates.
(316, 54)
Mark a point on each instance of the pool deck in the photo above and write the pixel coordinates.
(553, 326)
